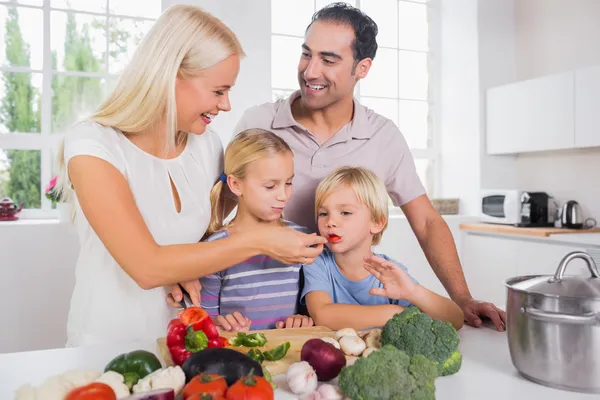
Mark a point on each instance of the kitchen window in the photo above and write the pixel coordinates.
(400, 84)
(58, 59)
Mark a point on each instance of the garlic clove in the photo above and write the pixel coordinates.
(330, 392)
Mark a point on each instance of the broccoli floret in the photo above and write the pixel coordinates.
(417, 333)
(389, 374)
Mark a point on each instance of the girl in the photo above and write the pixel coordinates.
(260, 292)
(140, 171)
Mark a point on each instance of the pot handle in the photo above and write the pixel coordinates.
(584, 319)
(571, 256)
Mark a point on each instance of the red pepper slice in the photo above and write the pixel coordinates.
(192, 316)
(334, 238)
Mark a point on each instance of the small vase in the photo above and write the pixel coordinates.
(64, 212)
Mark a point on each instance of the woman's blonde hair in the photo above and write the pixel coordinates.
(245, 148)
(183, 41)
(367, 187)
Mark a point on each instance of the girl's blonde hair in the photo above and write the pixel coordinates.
(367, 187)
(183, 41)
(245, 148)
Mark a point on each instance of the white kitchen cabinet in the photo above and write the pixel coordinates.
(532, 115)
(587, 106)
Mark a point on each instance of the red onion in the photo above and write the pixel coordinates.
(325, 358)
(157, 394)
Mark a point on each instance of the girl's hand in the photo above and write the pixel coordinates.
(290, 246)
(175, 294)
(233, 322)
(295, 321)
(396, 282)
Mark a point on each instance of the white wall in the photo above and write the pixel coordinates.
(554, 36)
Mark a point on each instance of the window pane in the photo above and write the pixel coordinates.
(74, 98)
(322, 3)
(20, 176)
(285, 52)
(281, 94)
(125, 36)
(384, 13)
(413, 117)
(412, 26)
(80, 5)
(382, 80)
(291, 17)
(20, 102)
(413, 75)
(423, 167)
(78, 42)
(386, 107)
(22, 28)
(149, 9)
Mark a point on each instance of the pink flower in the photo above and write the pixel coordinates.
(51, 185)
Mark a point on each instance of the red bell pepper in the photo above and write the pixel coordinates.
(208, 327)
(176, 332)
(218, 342)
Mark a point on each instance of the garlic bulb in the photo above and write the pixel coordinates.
(301, 378)
(330, 392)
(352, 345)
(332, 341)
(345, 332)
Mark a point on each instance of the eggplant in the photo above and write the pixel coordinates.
(156, 394)
(230, 364)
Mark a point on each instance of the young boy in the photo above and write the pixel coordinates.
(348, 286)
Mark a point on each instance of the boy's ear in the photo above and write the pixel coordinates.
(377, 227)
(234, 185)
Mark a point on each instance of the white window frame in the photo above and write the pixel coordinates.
(46, 141)
(433, 152)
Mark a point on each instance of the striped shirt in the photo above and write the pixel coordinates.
(260, 288)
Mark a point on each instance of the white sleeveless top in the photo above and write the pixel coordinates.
(107, 305)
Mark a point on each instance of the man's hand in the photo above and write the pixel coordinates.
(192, 287)
(475, 310)
(295, 321)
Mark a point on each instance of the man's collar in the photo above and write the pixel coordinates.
(359, 126)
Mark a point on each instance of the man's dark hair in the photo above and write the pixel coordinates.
(365, 29)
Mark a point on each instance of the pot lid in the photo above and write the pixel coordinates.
(559, 285)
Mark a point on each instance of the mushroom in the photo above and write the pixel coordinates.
(345, 332)
(332, 341)
(368, 351)
(352, 345)
(373, 339)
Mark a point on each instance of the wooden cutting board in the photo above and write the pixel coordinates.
(296, 336)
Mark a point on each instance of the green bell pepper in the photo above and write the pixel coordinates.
(277, 353)
(248, 340)
(256, 355)
(134, 365)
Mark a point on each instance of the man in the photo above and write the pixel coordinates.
(326, 128)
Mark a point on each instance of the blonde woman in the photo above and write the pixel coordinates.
(140, 171)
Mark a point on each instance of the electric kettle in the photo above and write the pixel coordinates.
(571, 215)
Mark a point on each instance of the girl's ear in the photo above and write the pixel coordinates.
(234, 185)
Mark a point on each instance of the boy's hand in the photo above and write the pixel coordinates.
(295, 321)
(396, 282)
(233, 322)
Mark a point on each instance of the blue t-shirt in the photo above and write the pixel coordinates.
(324, 275)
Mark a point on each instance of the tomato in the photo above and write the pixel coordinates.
(251, 388)
(193, 315)
(204, 396)
(93, 391)
(205, 383)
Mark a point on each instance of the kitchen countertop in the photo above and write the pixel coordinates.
(487, 371)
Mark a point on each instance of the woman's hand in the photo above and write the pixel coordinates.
(289, 246)
(175, 294)
(295, 321)
(233, 322)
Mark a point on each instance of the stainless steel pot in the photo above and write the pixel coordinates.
(553, 327)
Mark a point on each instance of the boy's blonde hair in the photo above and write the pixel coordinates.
(367, 187)
(245, 148)
(183, 41)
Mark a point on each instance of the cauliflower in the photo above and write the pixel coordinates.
(116, 382)
(57, 386)
(165, 378)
